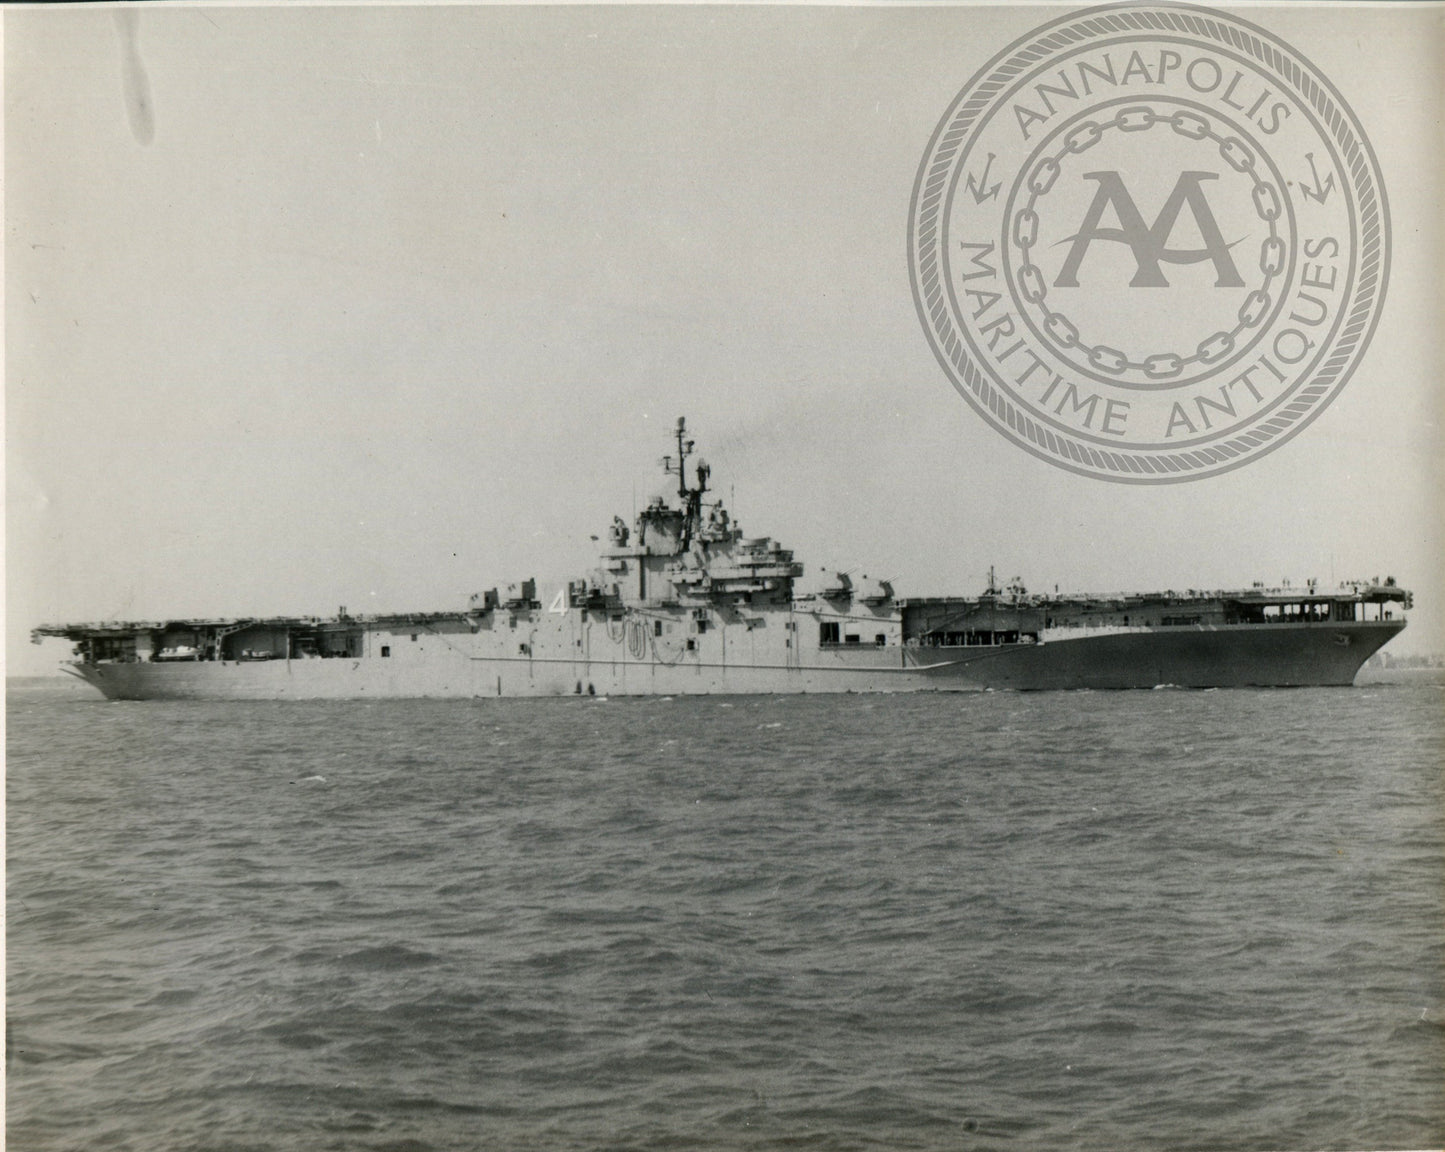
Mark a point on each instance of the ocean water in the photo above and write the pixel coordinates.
(1093, 920)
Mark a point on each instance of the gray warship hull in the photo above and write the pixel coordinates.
(1229, 656)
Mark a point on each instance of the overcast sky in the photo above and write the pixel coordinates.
(381, 306)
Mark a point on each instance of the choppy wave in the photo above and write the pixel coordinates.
(1100, 920)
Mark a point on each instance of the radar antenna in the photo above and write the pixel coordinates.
(684, 450)
(691, 497)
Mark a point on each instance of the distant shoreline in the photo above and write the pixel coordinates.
(1427, 675)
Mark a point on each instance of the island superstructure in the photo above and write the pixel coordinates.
(683, 602)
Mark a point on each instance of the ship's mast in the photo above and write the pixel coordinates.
(684, 450)
(691, 497)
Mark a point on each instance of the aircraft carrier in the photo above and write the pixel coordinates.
(683, 602)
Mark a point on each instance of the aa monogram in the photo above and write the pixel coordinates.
(1149, 242)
